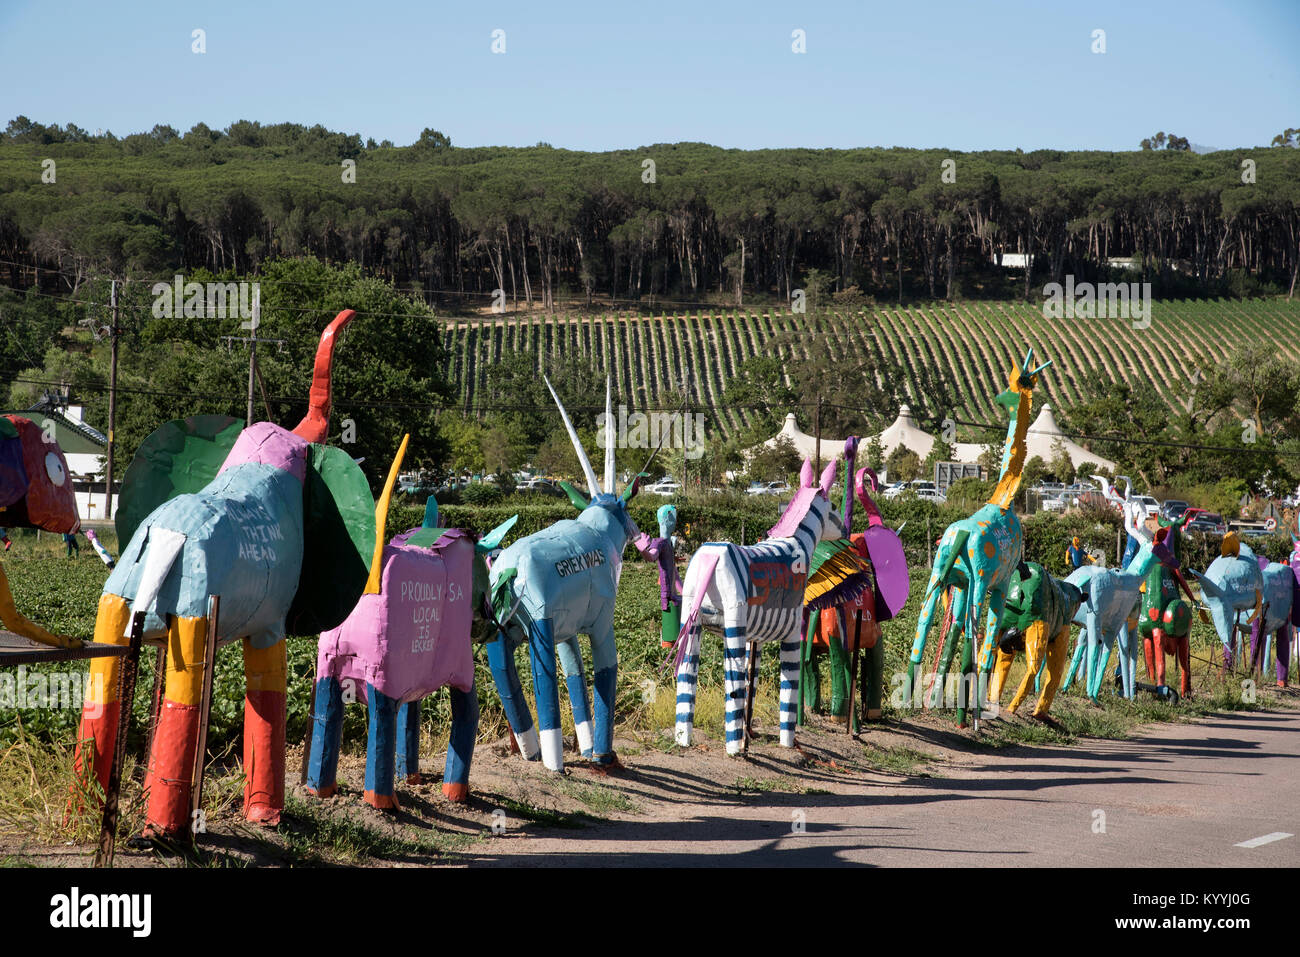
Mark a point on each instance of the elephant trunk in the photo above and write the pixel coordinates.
(315, 425)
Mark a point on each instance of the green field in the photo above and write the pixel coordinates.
(972, 344)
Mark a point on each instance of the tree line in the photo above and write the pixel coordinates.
(677, 222)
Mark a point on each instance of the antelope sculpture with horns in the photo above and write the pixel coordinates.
(552, 586)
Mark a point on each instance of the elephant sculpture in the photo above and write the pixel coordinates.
(551, 586)
(35, 492)
(978, 555)
(1238, 581)
(754, 593)
(407, 638)
(1108, 613)
(1036, 620)
(283, 533)
(1164, 619)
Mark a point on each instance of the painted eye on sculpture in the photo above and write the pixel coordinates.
(54, 469)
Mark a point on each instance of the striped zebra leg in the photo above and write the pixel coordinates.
(735, 651)
(687, 672)
(575, 678)
(790, 688)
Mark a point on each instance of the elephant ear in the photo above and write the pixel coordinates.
(179, 457)
(338, 539)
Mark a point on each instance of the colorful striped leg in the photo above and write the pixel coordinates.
(381, 750)
(501, 659)
(790, 687)
(839, 672)
(576, 680)
(873, 679)
(266, 675)
(460, 749)
(176, 738)
(541, 649)
(101, 710)
(326, 737)
(604, 660)
(686, 677)
(408, 741)
(735, 654)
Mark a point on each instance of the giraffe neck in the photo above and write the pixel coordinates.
(1013, 455)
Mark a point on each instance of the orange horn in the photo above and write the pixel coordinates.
(315, 425)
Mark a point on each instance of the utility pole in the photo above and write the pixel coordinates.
(112, 400)
(252, 341)
(817, 428)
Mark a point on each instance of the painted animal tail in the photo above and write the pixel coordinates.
(690, 624)
(315, 425)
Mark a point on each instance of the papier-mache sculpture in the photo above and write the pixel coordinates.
(35, 492)
(754, 594)
(1036, 619)
(547, 589)
(278, 525)
(853, 625)
(661, 550)
(411, 633)
(977, 557)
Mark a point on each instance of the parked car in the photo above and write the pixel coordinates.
(1173, 509)
(1209, 522)
(540, 486)
(1054, 504)
(666, 487)
(894, 490)
(931, 495)
(768, 488)
(1152, 505)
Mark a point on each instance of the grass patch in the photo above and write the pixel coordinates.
(316, 837)
(542, 817)
(897, 760)
(597, 797)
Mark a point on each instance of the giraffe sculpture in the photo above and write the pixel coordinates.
(978, 555)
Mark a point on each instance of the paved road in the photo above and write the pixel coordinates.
(1176, 796)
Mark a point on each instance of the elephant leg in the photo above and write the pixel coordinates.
(176, 736)
(1035, 652)
(326, 736)
(541, 649)
(460, 749)
(735, 657)
(1001, 668)
(575, 678)
(604, 661)
(1053, 668)
(1283, 654)
(501, 660)
(381, 750)
(408, 742)
(789, 693)
(266, 675)
(101, 709)
(687, 673)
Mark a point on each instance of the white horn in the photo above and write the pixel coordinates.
(609, 441)
(587, 470)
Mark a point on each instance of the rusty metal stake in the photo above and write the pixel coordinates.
(126, 699)
(155, 709)
(205, 711)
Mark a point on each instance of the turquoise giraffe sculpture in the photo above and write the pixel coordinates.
(977, 556)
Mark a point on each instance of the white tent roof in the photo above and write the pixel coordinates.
(907, 432)
(805, 444)
(1044, 433)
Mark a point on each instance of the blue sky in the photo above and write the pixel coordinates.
(958, 74)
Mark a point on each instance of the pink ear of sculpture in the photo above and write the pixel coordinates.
(315, 425)
(828, 478)
(806, 474)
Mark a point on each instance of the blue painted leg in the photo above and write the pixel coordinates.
(604, 660)
(460, 750)
(408, 741)
(501, 659)
(326, 735)
(381, 750)
(541, 648)
(576, 680)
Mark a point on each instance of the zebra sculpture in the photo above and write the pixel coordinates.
(550, 587)
(753, 594)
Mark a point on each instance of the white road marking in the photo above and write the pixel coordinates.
(1266, 839)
